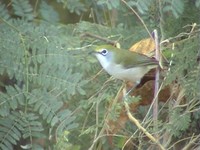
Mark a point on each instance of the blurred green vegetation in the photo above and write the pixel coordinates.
(54, 95)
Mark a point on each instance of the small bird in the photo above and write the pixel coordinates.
(123, 64)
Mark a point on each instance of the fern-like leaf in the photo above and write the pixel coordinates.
(48, 13)
(179, 122)
(23, 9)
(110, 4)
(141, 5)
(32, 127)
(10, 130)
(174, 6)
(4, 12)
(76, 6)
(13, 99)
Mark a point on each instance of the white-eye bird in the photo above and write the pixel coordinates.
(123, 64)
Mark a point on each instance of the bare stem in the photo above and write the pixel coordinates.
(156, 88)
(140, 127)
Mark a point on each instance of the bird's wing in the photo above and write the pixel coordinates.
(136, 59)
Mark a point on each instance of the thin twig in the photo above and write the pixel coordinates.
(156, 87)
(137, 17)
(86, 34)
(193, 139)
(136, 122)
(97, 137)
(191, 142)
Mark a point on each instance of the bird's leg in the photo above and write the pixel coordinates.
(131, 89)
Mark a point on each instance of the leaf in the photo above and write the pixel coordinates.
(179, 122)
(114, 4)
(142, 5)
(4, 147)
(48, 13)
(175, 6)
(10, 133)
(197, 3)
(76, 6)
(23, 9)
(145, 46)
(4, 13)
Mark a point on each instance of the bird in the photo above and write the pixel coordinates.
(123, 64)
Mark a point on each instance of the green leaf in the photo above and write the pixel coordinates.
(4, 13)
(48, 13)
(197, 3)
(175, 6)
(23, 9)
(179, 122)
(76, 6)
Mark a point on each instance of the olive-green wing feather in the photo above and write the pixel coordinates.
(133, 59)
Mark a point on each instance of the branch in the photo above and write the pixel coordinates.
(86, 34)
(138, 17)
(156, 88)
(136, 122)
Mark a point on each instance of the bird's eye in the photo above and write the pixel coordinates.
(104, 52)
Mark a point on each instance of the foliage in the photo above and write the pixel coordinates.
(55, 96)
(48, 13)
(109, 4)
(142, 6)
(175, 6)
(23, 9)
(197, 3)
(179, 122)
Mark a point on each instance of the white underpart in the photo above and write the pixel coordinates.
(116, 70)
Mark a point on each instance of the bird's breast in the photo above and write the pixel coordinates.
(131, 74)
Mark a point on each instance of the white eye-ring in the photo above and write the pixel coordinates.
(104, 52)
